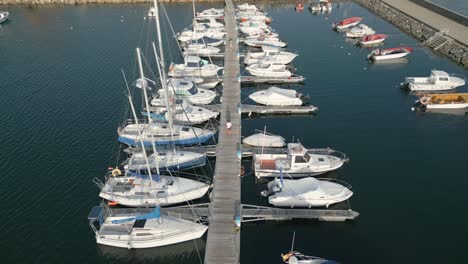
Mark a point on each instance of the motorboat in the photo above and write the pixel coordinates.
(298, 162)
(264, 139)
(295, 257)
(201, 50)
(372, 39)
(183, 113)
(360, 31)
(326, 6)
(140, 228)
(254, 24)
(280, 56)
(164, 160)
(277, 96)
(211, 23)
(437, 81)
(137, 190)
(152, 12)
(273, 70)
(194, 66)
(315, 7)
(189, 91)
(210, 13)
(263, 41)
(253, 16)
(247, 7)
(257, 32)
(347, 23)
(188, 35)
(204, 41)
(389, 54)
(442, 101)
(4, 16)
(203, 83)
(299, 7)
(305, 192)
(161, 134)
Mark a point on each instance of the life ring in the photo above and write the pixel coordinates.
(424, 100)
(116, 172)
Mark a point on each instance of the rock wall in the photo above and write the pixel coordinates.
(452, 49)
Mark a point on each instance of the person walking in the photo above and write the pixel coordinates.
(228, 127)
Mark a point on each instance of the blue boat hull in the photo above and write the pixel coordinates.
(178, 142)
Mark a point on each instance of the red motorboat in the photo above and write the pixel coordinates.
(347, 23)
(373, 39)
(300, 7)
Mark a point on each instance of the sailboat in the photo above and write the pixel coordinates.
(140, 228)
(295, 257)
(189, 91)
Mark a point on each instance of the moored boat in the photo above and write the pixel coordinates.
(277, 96)
(299, 7)
(359, 31)
(280, 56)
(4, 16)
(373, 39)
(298, 162)
(294, 257)
(437, 81)
(273, 70)
(140, 228)
(441, 101)
(265, 140)
(347, 23)
(306, 192)
(389, 54)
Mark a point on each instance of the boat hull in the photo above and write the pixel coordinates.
(167, 140)
(372, 42)
(389, 57)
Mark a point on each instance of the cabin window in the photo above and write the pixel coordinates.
(185, 129)
(321, 159)
(164, 127)
(445, 79)
(160, 192)
(192, 64)
(183, 83)
(300, 159)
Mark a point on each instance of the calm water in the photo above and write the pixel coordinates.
(460, 6)
(61, 100)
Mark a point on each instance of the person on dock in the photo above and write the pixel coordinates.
(228, 127)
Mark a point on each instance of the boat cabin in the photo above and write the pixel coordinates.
(439, 77)
(194, 62)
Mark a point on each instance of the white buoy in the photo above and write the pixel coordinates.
(412, 109)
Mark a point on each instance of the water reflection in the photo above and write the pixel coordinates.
(181, 252)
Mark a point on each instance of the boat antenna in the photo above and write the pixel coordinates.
(292, 245)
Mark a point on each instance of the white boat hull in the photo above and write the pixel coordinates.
(347, 25)
(389, 57)
(372, 42)
(447, 106)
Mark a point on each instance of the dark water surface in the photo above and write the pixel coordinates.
(62, 97)
(460, 6)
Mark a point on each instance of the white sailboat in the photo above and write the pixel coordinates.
(295, 257)
(141, 228)
(189, 91)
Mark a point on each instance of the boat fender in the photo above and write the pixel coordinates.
(377, 51)
(116, 172)
(424, 100)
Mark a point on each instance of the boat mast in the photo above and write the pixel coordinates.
(150, 121)
(292, 246)
(162, 70)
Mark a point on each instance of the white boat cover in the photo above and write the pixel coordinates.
(276, 96)
(265, 140)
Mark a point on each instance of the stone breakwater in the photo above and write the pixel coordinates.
(454, 50)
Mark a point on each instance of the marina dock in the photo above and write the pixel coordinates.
(265, 110)
(223, 241)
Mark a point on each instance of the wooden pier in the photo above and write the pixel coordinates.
(251, 213)
(267, 110)
(223, 241)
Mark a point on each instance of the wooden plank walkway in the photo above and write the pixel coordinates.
(271, 109)
(223, 242)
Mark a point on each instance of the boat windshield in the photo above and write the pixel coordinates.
(192, 64)
(263, 65)
(192, 90)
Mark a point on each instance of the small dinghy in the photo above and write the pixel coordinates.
(264, 139)
(372, 39)
(277, 96)
(294, 257)
(305, 192)
(441, 101)
(347, 23)
(438, 81)
(360, 31)
(298, 162)
(389, 54)
(272, 70)
(280, 56)
(130, 228)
